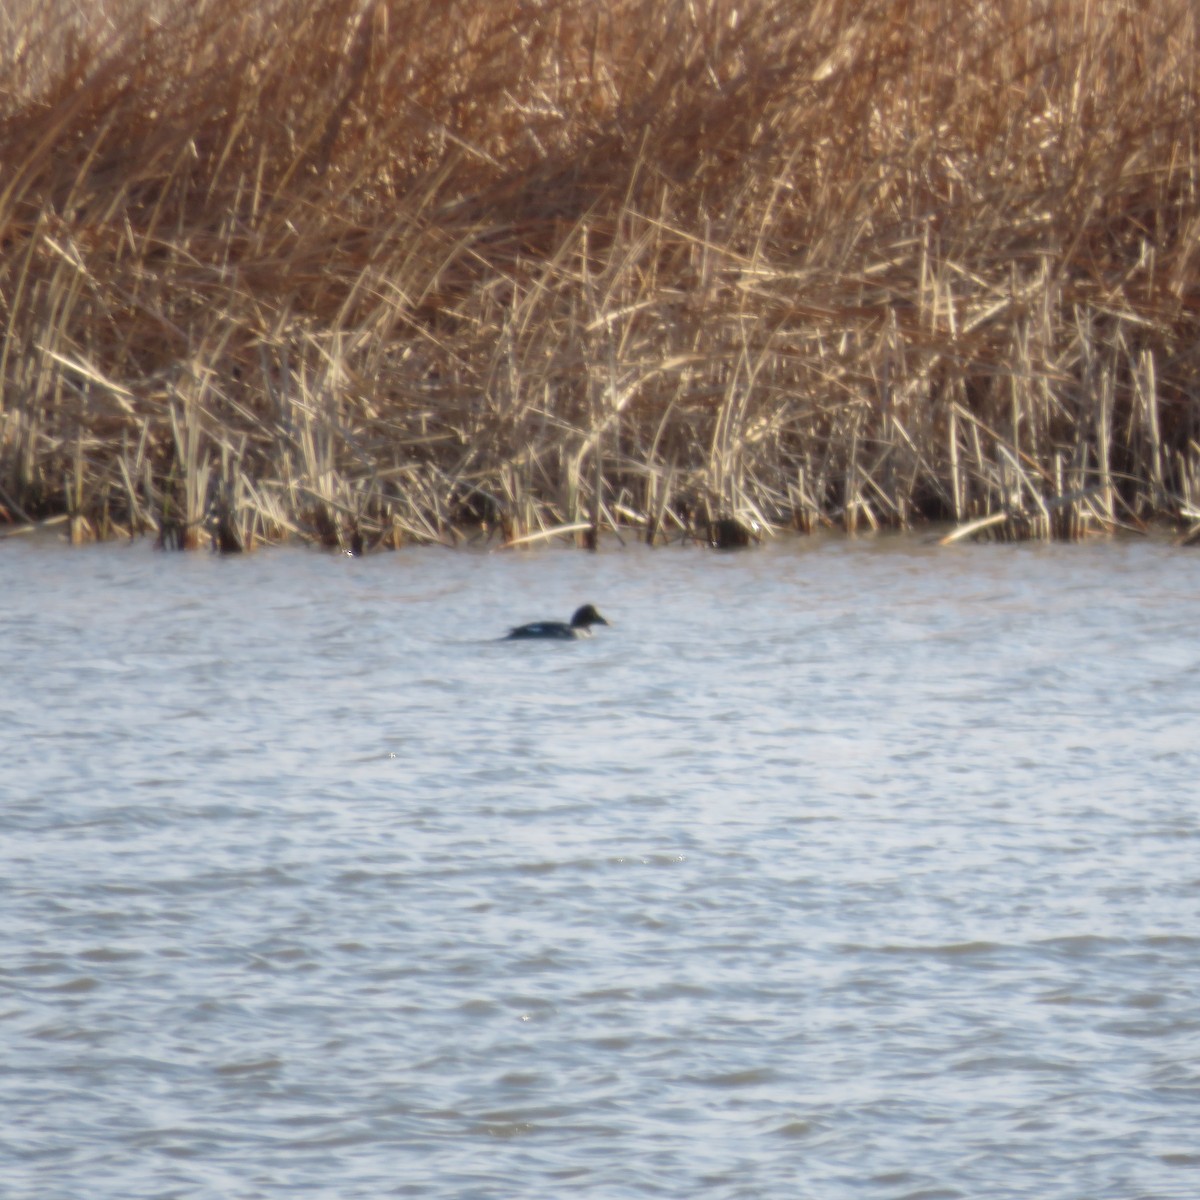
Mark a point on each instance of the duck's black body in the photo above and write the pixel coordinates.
(580, 626)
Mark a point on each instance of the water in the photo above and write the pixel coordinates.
(831, 870)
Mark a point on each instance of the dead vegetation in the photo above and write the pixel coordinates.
(369, 271)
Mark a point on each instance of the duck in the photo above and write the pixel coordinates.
(579, 627)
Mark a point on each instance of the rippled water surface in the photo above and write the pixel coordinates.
(832, 869)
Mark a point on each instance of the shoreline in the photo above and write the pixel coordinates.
(57, 530)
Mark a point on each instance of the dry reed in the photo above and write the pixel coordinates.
(375, 271)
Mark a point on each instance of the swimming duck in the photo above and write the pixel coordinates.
(580, 626)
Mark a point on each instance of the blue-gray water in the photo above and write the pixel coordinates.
(831, 870)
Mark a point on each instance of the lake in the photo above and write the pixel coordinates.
(833, 869)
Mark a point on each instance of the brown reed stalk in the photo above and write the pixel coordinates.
(361, 274)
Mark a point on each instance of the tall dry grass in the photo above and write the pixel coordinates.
(375, 270)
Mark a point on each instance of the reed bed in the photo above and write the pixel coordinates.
(375, 271)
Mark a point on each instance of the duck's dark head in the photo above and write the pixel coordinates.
(585, 616)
